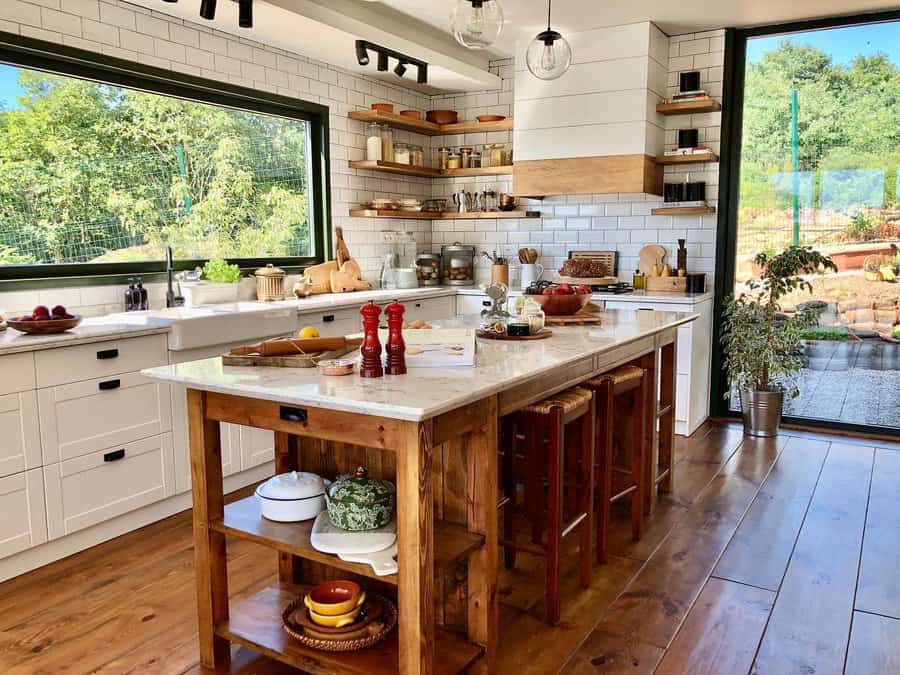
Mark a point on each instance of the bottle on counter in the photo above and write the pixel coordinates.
(130, 296)
(639, 281)
(143, 300)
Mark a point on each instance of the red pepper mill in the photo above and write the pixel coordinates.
(395, 350)
(371, 346)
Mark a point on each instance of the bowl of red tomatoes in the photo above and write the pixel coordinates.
(560, 299)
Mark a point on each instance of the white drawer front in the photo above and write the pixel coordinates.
(88, 490)
(431, 309)
(24, 521)
(84, 362)
(471, 304)
(257, 446)
(20, 438)
(16, 373)
(88, 416)
(334, 322)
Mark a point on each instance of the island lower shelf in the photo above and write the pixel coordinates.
(255, 622)
(243, 519)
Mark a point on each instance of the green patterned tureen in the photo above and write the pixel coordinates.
(357, 502)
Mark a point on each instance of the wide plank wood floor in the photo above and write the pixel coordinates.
(770, 556)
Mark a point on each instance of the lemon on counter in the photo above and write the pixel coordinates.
(308, 332)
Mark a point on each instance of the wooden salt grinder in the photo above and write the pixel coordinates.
(395, 350)
(370, 366)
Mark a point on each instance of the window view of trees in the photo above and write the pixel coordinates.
(98, 173)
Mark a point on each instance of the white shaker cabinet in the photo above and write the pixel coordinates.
(20, 447)
(24, 521)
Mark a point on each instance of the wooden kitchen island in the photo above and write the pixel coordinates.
(434, 432)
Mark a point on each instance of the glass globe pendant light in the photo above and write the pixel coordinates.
(549, 54)
(476, 23)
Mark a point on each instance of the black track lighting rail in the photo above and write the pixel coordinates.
(208, 11)
(363, 47)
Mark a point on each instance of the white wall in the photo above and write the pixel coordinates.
(622, 222)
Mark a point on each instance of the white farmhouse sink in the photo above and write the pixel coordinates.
(194, 327)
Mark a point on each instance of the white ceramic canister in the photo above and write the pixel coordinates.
(292, 497)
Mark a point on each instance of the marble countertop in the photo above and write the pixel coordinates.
(90, 330)
(634, 296)
(424, 392)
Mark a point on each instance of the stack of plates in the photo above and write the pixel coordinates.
(410, 205)
(377, 618)
(377, 547)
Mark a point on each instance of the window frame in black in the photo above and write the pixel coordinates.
(729, 196)
(25, 52)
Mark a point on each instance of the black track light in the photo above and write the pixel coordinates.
(362, 55)
(208, 9)
(422, 74)
(172, 1)
(382, 61)
(400, 69)
(245, 13)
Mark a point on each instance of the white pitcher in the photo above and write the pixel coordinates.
(529, 273)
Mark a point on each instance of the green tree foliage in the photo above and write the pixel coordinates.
(92, 173)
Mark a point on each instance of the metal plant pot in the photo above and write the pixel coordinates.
(762, 412)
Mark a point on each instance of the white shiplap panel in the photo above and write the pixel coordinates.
(585, 78)
(567, 111)
(627, 138)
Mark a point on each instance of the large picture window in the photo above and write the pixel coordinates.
(100, 175)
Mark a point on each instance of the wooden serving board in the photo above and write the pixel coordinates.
(650, 255)
(543, 335)
(579, 319)
(590, 281)
(287, 361)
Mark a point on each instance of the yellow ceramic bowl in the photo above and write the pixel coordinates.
(335, 621)
(334, 598)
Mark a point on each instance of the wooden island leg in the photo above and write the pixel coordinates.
(209, 545)
(287, 458)
(483, 616)
(415, 553)
(667, 422)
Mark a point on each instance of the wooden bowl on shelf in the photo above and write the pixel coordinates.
(442, 116)
(411, 114)
(46, 327)
(562, 305)
(383, 107)
(490, 118)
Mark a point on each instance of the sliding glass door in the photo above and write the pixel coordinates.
(814, 160)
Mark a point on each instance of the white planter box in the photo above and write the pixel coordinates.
(202, 293)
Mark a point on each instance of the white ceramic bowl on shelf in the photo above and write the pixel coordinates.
(292, 497)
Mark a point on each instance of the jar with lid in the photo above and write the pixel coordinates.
(475, 159)
(373, 142)
(401, 153)
(443, 155)
(428, 269)
(453, 160)
(416, 155)
(269, 283)
(457, 264)
(387, 143)
(465, 157)
(498, 155)
(486, 152)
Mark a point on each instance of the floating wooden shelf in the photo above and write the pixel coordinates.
(442, 215)
(687, 159)
(688, 108)
(683, 211)
(425, 171)
(428, 128)
(255, 622)
(243, 519)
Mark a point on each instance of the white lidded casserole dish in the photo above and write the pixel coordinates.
(292, 497)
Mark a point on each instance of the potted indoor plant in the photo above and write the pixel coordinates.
(220, 283)
(761, 342)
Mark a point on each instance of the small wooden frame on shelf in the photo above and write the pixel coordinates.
(697, 158)
(688, 107)
(428, 128)
(426, 171)
(683, 210)
(441, 215)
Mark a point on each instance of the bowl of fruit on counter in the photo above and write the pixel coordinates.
(559, 299)
(44, 321)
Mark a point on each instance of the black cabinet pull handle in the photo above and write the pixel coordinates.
(418, 304)
(485, 303)
(108, 354)
(114, 455)
(328, 318)
(293, 414)
(109, 384)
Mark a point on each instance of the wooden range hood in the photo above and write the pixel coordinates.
(587, 175)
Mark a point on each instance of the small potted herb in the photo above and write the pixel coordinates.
(220, 283)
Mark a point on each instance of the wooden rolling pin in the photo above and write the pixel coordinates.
(287, 346)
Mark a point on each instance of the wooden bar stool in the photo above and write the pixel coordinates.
(539, 442)
(614, 481)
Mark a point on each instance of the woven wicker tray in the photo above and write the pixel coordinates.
(377, 630)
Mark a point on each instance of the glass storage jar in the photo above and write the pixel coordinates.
(443, 157)
(465, 157)
(453, 160)
(428, 269)
(486, 151)
(475, 159)
(457, 264)
(401, 153)
(373, 142)
(416, 155)
(387, 143)
(498, 155)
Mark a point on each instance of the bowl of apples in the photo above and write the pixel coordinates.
(559, 299)
(43, 321)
